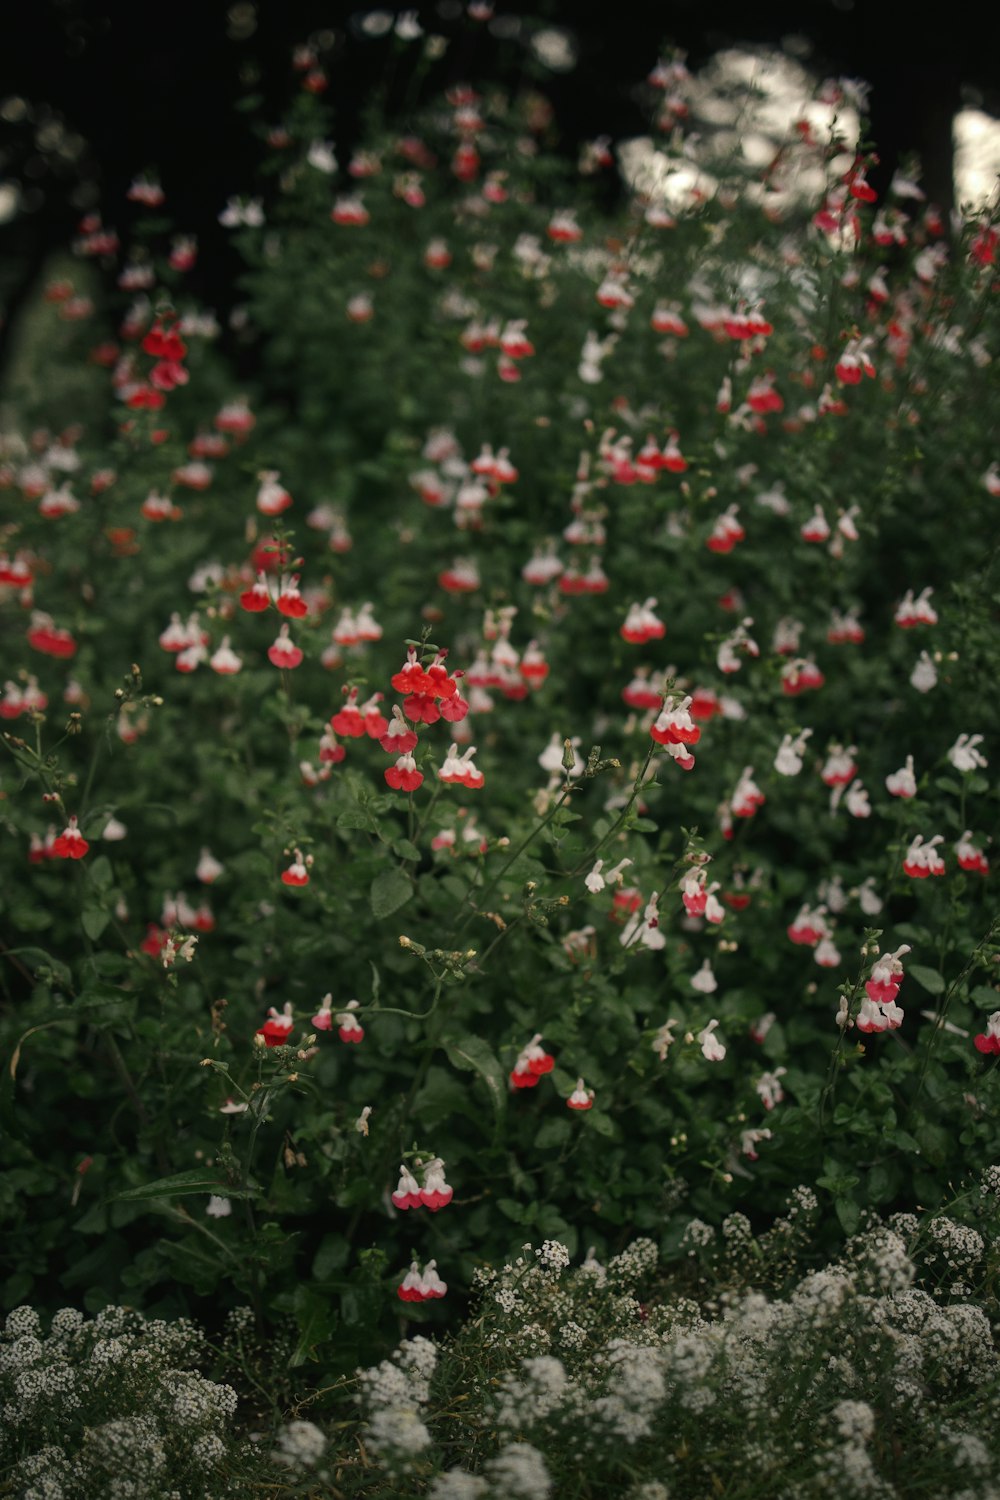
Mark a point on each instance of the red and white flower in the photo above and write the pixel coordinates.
(421, 1287)
(404, 776)
(747, 795)
(224, 660)
(883, 984)
(810, 926)
(726, 531)
(915, 611)
(642, 624)
(988, 1041)
(349, 1028)
(298, 871)
(71, 843)
(902, 783)
(272, 497)
(278, 1027)
(580, 1098)
(970, 857)
(922, 859)
(531, 1063)
(461, 770)
(699, 897)
(769, 1089)
(283, 652)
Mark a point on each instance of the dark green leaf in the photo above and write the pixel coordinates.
(198, 1180)
(932, 981)
(390, 890)
(472, 1054)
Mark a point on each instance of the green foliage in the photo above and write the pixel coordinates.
(190, 1118)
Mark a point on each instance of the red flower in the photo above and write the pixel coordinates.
(298, 871)
(404, 776)
(399, 738)
(284, 652)
(290, 602)
(349, 721)
(532, 1062)
(71, 843)
(277, 1028)
(257, 598)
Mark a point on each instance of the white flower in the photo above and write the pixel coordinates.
(964, 754)
(826, 954)
(595, 880)
(788, 761)
(300, 1443)
(218, 1208)
(321, 155)
(924, 674)
(704, 980)
(869, 902)
(664, 1039)
(208, 868)
(113, 830)
(361, 1123)
(712, 1049)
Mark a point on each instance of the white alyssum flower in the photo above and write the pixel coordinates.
(519, 1473)
(300, 1445)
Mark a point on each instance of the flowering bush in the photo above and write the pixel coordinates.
(874, 1374)
(113, 1406)
(525, 748)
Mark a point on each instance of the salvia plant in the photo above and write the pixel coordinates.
(517, 764)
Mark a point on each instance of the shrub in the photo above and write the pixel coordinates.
(532, 964)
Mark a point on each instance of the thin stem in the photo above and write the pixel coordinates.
(942, 1015)
(528, 838)
(637, 786)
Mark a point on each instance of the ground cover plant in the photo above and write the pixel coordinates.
(516, 768)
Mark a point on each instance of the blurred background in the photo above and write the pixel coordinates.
(94, 92)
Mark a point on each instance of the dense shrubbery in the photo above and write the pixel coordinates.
(776, 969)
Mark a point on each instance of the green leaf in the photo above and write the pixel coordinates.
(353, 819)
(37, 958)
(932, 981)
(198, 1180)
(473, 1055)
(100, 873)
(93, 921)
(316, 1321)
(403, 849)
(331, 1256)
(390, 890)
(552, 1132)
(849, 1214)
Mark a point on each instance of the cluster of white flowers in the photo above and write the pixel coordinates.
(109, 1406)
(395, 1394)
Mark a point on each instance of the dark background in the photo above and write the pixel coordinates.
(111, 87)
